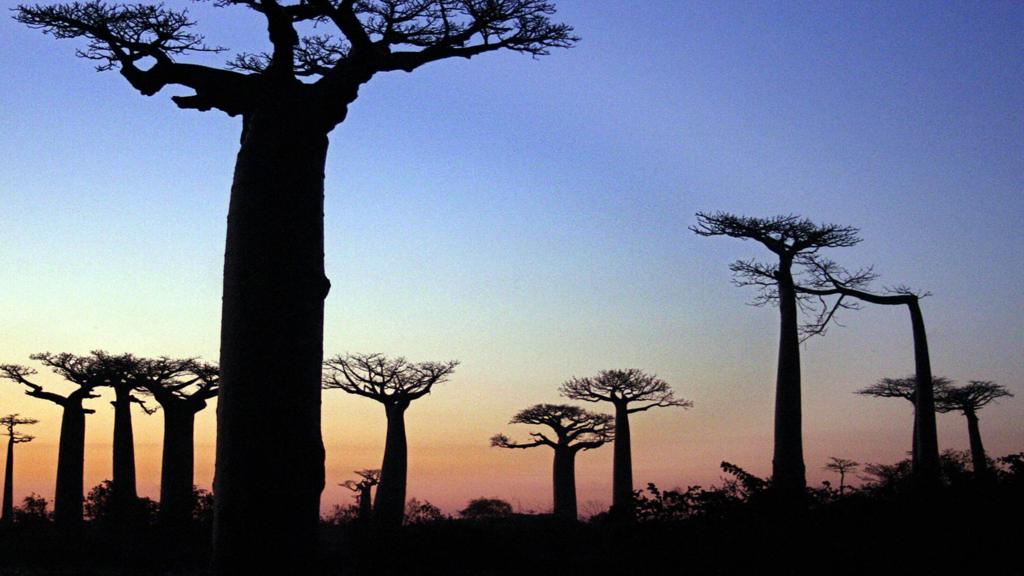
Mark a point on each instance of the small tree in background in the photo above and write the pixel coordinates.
(10, 422)
(575, 430)
(629, 391)
(969, 399)
(363, 488)
(395, 383)
(486, 509)
(841, 466)
(905, 388)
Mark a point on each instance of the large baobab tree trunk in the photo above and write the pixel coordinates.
(978, 459)
(7, 515)
(564, 477)
(389, 504)
(926, 442)
(177, 468)
(622, 467)
(272, 346)
(788, 474)
(67, 501)
(124, 489)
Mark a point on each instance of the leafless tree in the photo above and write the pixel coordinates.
(791, 239)
(182, 387)
(829, 279)
(629, 391)
(841, 466)
(84, 372)
(969, 399)
(905, 388)
(290, 97)
(362, 488)
(395, 383)
(575, 430)
(10, 422)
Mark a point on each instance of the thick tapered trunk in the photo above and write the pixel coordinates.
(978, 459)
(7, 516)
(622, 466)
(389, 504)
(926, 447)
(564, 477)
(67, 501)
(270, 455)
(365, 504)
(788, 475)
(123, 481)
(913, 443)
(177, 467)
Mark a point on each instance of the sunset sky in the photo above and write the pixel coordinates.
(528, 217)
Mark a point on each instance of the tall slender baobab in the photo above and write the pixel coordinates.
(363, 488)
(575, 430)
(269, 478)
(395, 383)
(10, 422)
(830, 279)
(969, 399)
(181, 387)
(84, 372)
(629, 391)
(905, 388)
(790, 238)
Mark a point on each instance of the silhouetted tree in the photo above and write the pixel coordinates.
(830, 279)
(486, 509)
(969, 399)
(395, 383)
(119, 373)
(269, 478)
(10, 422)
(86, 374)
(841, 466)
(629, 391)
(905, 388)
(575, 430)
(181, 387)
(790, 238)
(32, 510)
(363, 489)
(424, 512)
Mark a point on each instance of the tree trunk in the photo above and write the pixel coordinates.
(270, 455)
(564, 476)
(67, 501)
(124, 490)
(622, 469)
(177, 467)
(389, 504)
(913, 442)
(8, 510)
(365, 504)
(978, 459)
(926, 459)
(788, 461)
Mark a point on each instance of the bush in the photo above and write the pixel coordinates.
(417, 512)
(32, 510)
(486, 509)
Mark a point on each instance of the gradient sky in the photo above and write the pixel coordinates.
(528, 217)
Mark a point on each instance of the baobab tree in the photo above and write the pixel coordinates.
(629, 391)
(905, 388)
(841, 466)
(829, 279)
(791, 239)
(269, 479)
(395, 383)
(575, 430)
(84, 372)
(362, 488)
(10, 422)
(182, 387)
(969, 399)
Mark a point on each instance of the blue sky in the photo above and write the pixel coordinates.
(529, 218)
